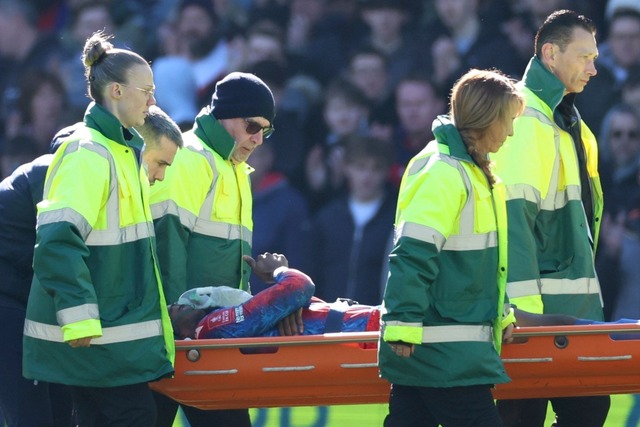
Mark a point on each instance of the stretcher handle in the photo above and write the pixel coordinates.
(535, 331)
(332, 338)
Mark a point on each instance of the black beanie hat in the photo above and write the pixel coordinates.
(241, 95)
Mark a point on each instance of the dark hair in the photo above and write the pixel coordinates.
(367, 49)
(31, 83)
(558, 29)
(105, 64)
(159, 124)
(421, 77)
(340, 87)
(624, 12)
(368, 147)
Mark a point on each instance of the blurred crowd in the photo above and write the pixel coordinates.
(357, 85)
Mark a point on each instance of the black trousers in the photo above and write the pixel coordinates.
(26, 402)
(470, 406)
(125, 406)
(167, 409)
(589, 411)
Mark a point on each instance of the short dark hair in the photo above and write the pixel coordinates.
(158, 124)
(368, 147)
(558, 29)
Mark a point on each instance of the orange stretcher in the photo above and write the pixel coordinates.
(340, 368)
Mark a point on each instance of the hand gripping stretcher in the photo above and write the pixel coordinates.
(340, 368)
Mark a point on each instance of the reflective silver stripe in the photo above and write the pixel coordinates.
(169, 207)
(78, 313)
(113, 234)
(523, 191)
(456, 333)
(523, 288)
(470, 242)
(527, 288)
(466, 239)
(67, 215)
(128, 234)
(207, 206)
(419, 232)
(421, 163)
(584, 285)
(116, 334)
(466, 222)
(222, 230)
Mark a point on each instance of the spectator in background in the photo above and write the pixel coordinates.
(42, 110)
(194, 35)
(345, 112)
(87, 17)
(625, 269)
(317, 39)
(368, 69)
(177, 96)
(264, 41)
(350, 235)
(24, 49)
(621, 50)
(520, 28)
(279, 212)
(418, 103)
(459, 41)
(620, 151)
(618, 54)
(389, 33)
(631, 89)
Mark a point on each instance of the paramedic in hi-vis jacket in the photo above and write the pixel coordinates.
(443, 304)
(554, 201)
(203, 209)
(96, 315)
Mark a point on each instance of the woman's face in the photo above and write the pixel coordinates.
(136, 96)
(497, 133)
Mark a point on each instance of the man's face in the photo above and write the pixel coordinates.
(417, 106)
(245, 142)
(156, 158)
(624, 39)
(576, 65)
(184, 320)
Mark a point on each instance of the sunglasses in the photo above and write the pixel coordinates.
(620, 133)
(255, 127)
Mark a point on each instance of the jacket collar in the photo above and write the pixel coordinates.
(99, 118)
(213, 134)
(446, 133)
(543, 83)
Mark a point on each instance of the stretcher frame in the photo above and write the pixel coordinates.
(338, 369)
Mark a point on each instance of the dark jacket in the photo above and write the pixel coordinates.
(19, 194)
(349, 264)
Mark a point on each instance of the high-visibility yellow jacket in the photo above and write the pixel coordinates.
(551, 245)
(203, 213)
(447, 270)
(95, 266)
